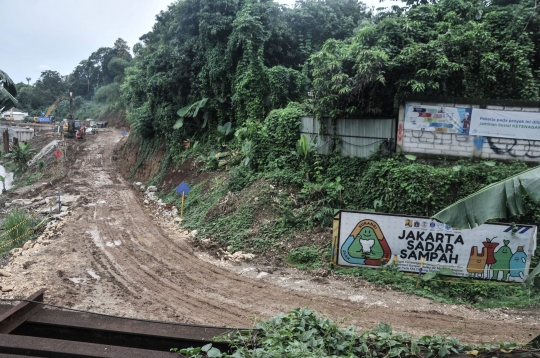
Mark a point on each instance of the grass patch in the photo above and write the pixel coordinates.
(17, 226)
(479, 293)
(305, 257)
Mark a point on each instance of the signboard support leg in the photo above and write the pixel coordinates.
(419, 272)
(182, 207)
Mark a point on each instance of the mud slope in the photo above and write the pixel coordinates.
(114, 257)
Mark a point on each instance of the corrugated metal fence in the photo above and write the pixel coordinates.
(359, 137)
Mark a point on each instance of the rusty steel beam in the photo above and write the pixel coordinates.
(84, 327)
(17, 315)
(45, 347)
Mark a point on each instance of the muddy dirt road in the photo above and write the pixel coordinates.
(113, 256)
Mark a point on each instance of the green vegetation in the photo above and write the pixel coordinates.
(288, 218)
(304, 257)
(302, 333)
(95, 84)
(8, 91)
(17, 226)
(479, 293)
(20, 155)
(233, 78)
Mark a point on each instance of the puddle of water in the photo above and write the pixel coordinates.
(93, 274)
(8, 178)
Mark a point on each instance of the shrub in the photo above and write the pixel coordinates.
(239, 178)
(41, 165)
(17, 224)
(21, 154)
(305, 256)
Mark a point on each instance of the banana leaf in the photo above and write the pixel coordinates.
(496, 201)
(8, 91)
(534, 277)
(191, 111)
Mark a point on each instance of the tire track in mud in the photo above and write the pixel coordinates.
(147, 274)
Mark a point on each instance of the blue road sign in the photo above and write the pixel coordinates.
(183, 188)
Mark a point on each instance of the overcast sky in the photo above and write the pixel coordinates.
(38, 35)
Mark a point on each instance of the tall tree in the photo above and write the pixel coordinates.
(452, 48)
(122, 49)
(49, 86)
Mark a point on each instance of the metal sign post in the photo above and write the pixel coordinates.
(184, 190)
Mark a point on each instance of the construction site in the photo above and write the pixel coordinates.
(114, 248)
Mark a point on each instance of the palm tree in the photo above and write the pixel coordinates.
(8, 92)
(496, 201)
(28, 79)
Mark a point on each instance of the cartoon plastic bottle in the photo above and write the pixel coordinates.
(502, 257)
(517, 263)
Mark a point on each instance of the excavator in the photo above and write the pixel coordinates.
(46, 118)
(10, 117)
(73, 128)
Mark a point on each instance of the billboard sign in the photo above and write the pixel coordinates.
(438, 119)
(506, 124)
(495, 251)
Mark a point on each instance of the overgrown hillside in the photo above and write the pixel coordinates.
(283, 213)
(219, 86)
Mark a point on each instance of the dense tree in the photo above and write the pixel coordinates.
(50, 85)
(28, 98)
(452, 48)
(122, 49)
(246, 56)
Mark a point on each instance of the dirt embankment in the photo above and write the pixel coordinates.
(116, 253)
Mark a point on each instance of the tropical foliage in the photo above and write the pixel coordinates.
(21, 154)
(496, 201)
(446, 48)
(8, 91)
(303, 333)
(246, 57)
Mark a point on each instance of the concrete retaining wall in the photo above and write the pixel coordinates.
(425, 143)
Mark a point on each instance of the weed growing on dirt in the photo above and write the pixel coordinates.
(17, 225)
(228, 230)
(305, 257)
(303, 333)
(41, 165)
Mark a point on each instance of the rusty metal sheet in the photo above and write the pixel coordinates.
(45, 347)
(83, 327)
(17, 315)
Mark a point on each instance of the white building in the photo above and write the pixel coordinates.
(18, 114)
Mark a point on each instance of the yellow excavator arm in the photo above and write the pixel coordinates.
(51, 108)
